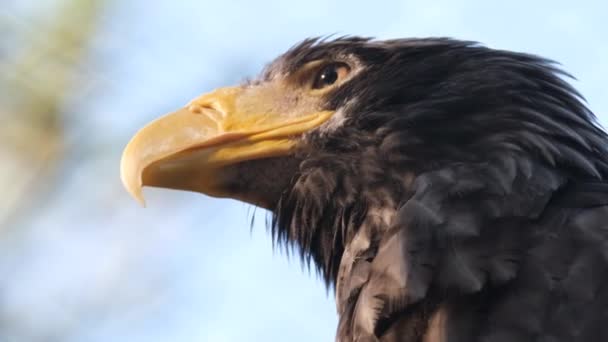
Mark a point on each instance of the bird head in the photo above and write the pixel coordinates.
(246, 142)
(334, 131)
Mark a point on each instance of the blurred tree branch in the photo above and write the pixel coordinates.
(38, 69)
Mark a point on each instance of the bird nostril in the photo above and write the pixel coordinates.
(198, 108)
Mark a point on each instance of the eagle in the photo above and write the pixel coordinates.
(445, 191)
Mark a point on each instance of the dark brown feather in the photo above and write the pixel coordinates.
(464, 182)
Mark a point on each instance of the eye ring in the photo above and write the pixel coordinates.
(330, 74)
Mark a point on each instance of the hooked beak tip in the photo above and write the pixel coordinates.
(131, 179)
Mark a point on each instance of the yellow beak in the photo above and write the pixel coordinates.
(187, 149)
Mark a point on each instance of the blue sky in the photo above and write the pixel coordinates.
(187, 267)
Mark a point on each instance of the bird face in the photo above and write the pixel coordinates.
(241, 142)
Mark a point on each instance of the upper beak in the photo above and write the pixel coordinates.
(187, 149)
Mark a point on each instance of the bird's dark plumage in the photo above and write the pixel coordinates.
(465, 186)
(447, 191)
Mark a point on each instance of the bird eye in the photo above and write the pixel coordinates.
(330, 74)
